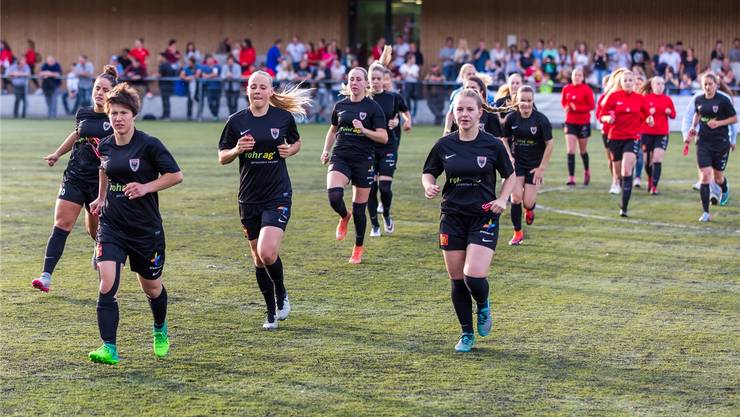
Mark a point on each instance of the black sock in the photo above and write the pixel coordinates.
(386, 196)
(372, 205)
(723, 186)
(463, 304)
(267, 287)
(584, 158)
(108, 311)
(478, 288)
(704, 192)
(516, 216)
(159, 308)
(358, 212)
(657, 166)
(626, 191)
(276, 274)
(649, 164)
(571, 164)
(336, 200)
(54, 249)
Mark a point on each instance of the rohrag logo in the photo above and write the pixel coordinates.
(134, 164)
(482, 161)
(275, 132)
(363, 115)
(533, 129)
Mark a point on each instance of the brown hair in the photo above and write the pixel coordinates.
(721, 85)
(109, 73)
(647, 86)
(345, 91)
(293, 99)
(123, 95)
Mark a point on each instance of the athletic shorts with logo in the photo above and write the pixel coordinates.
(360, 171)
(146, 256)
(715, 155)
(457, 231)
(617, 148)
(256, 216)
(652, 142)
(78, 191)
(581, 131)
(385, 162)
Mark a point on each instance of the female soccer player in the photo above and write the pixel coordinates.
(530, 138)
(608, 84)
(577, 101)
(489, 122)
(80, 181)
(466, 71)
(357, 123)
(469, 226)
(134, 167)
(655, 138)
(507, 94)
(625, 110)
(715, 112)
(262, 137)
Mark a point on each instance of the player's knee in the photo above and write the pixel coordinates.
(335, 195)
(385, 186)
(267, 257)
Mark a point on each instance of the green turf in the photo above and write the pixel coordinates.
(592, 315)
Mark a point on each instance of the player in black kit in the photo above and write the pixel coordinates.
(134, 167)
(530, 138)
(489, 122)
(262, 137)
(469, 226)
(715, 113)
(80, 181)
(357, 123)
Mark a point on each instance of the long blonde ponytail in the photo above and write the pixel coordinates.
(293, 99)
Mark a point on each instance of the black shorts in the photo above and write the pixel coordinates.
(385, 162)
(146, 260)
(457, 231)
(651, 142)
(256, 216)
(360, 172)
(605, 139)
(712, 156)
(617, 148)
(581, 131)
(524, 171)
(78, 191)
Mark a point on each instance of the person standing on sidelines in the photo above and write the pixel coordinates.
(469, 226)
(263, 136)
(655, 138)
(134, 167)
(357, 123)
(578, 102)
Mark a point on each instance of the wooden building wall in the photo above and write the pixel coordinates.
(102, 28)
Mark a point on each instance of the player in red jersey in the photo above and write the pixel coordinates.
(577, 101)
(655, 138)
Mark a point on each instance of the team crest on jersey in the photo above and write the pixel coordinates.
(275, 132)
(134, 164)
(363, 115)
(715, 109)
(533, 129)
(106, 126)
(482, 161)
(481, 126)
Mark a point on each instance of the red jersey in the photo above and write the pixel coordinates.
(629, 113)
(661, 103)
(140, 54)
(605, 127)
(31, 57)
(247, 56)
(582, 98)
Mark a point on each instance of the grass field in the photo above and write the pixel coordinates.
(594, 315)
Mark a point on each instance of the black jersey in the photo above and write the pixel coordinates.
(83, 162)
(489, 122)
(263, 174)
(142, 160)
(390, 105)
(402, 108)
(527, 137)
(350, 143)
(470, 168)
(718, 107)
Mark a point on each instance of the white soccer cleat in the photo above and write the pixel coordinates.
(615, 189)
(374, 231)
(282, 313)
(270, 325)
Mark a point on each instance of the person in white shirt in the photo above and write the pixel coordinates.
(410, 75)
(671, 58)
(296, 50)
(400, 49)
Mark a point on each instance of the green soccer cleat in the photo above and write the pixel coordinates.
(107, 354)
(485, 321)
(161, 342)
(467, 340)
(725, 198)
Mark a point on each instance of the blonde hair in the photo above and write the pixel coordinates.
(615, 82)
(293, 99)
(480, 101)
(505, 90)
(463, 70)
(382, 63)
(647, 86)
(345, 90)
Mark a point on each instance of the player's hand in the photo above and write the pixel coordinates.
(572, 106)
(650, 121)
(732, 147)
(324, 157)
(608, 119)
(431, 191)
(284, 150)
(96, 207)
(668, 111)
(393, 123)
(538, 175)
(407, 125)
(51, 159)
(134, 190)
(713, 124)
(357, 124)
(652, 110)
(692, 134)
(498, 206)
(244, 144)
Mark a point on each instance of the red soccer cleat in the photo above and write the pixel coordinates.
(356, 257)
(517, 239)
(529, 216)
(342, 226)
(587, 177)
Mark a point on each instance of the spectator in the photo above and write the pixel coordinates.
(512, 61)
(526, 60)
(410, 76)
(236, 49)
(680, 50)
(687, 85)
(550, 60)
(166, 87)
(481, 56)
(447, 58)
(116, 64)
(435, 93)
(348, 57)
(581, 59)
(539, 50)
(611, 54)
(125, 59)
(140, 53)
(323, 100)
(601, 63)
(73, 83)
(690, 65)
(33, 58)
(717, 56)
(224, 47)
(497, 53)
(273, 55)
(192, 52)
(248, 72)
(377, 49)
(230, 72)
(495, 70)
(546, 86)
(6, 58)
(639, 55)
(135, 74)
(734, 55)
(248, 55)
(417, 54)
(295, 50)
(19, 73)
(565, 62)
(671, 80)
(332, 54)
(171, 54)
(727, 74)
(671, 58)
(623, 57)
(659, 67)
(85, 71)
(189, 75)
(51, 73)
(462, 54)
(210, 73)
(285, 72)
(338, 72)
(400, 49)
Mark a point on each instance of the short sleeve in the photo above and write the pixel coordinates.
(729, 108)
(378, 119)
(228, 138)
(402, 107)
(506, 127)
(503, 163)
(162, 159)
(291, 135)
(433, 165)
(546, 128)
(334, 117)
(79, 116)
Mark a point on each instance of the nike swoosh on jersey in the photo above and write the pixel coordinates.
(514, 127)
(450, 156)
(242, 133)
(486, 240)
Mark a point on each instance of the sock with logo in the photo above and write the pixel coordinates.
(159, 308)
(54, 249)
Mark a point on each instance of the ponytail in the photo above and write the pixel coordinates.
(293, 99)
(109, 73)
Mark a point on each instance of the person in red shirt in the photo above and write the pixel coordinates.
(378, 49)
(655, 138)
(625, 110)
(32, 58)
(140, 53)
(247, 56)
(577, 101)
